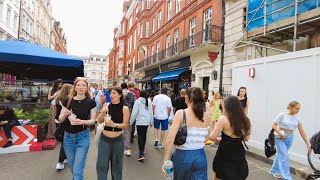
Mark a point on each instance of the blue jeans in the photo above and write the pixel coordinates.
(76, 147)
(280, 164)
(190, 164)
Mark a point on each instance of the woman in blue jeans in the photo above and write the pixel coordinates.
(189, 159)
(287, 122)
(81, 112)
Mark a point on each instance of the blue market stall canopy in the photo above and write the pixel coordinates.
(168, 76)
(31, 61)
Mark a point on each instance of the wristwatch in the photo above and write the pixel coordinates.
(116, 125)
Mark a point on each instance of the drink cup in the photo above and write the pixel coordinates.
(71, 118)
(107, 118)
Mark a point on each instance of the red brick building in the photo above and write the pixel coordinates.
(60, 40)
(155, 38)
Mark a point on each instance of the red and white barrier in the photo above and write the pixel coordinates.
(22, 138)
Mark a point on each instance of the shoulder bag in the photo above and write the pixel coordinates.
(181, 135)
(59, 133)
(269, 143)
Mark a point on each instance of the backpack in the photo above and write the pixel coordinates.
(315, 143)
(129, 100)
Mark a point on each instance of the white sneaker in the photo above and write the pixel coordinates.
(60, 166)
(65, 161)
(127, 152)
(160, 146)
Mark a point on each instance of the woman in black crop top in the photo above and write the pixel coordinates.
(242, 96)
(111, 143)
(76, 140)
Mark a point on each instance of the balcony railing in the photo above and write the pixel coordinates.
(206, 36)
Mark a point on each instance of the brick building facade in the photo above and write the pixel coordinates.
(155, 38)
(60, 39)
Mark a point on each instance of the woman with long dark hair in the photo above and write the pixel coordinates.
(189, 159)
(230, 161)
(142, 114)
(62, 96)
(242, 96)
(80, 114)
(111, 143)
(52, 95)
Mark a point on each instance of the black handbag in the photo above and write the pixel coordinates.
(269, 145)
(181, 136)
(59, 133)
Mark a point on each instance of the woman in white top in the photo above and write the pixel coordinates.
(287, 122)
(52, 95)
(189, 159)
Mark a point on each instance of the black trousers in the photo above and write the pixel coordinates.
(133, 128)
(62, 154)
(7, 128)
(142, 137)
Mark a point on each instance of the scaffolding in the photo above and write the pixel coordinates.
(273, 21)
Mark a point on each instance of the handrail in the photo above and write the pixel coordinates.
(209, 35)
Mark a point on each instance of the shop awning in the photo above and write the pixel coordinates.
(31, 61)
(145, 79)
(168, 76)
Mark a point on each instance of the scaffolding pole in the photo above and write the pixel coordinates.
(267, 47)
(295, 26)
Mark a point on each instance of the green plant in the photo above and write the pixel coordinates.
(40, 116)
(19, 113)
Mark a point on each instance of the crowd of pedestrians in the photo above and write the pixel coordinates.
(125, 109)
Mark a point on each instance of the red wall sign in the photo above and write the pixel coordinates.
(252, 72)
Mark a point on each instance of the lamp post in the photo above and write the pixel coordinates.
(222, 48)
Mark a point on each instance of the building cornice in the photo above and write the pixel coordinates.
(131, 8)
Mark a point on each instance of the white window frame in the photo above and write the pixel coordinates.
(8, 19)
(148, 4)
(167, 45)
(157, 50)
(15, 22)
(193, 27)
(130, 22)
(169, 8)
(159, 19)
(175, 41)
(133, 63)
(153, 24)
(142, 5)
(141, 30)
(147, 29)
(134, 39)
(1, 11)
(178, 6)
(207, 19)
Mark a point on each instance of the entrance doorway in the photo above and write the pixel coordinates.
(205, 84)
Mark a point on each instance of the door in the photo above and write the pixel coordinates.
(205, 83)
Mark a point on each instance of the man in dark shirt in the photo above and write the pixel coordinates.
(7, 120)
(180, 103)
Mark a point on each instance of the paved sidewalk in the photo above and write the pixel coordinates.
(296, 168)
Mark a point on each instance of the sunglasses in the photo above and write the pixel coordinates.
(82, 78)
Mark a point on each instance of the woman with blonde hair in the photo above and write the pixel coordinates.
(284, 124)
(80, 109)
(62, 96)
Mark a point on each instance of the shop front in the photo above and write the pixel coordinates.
(175, 75)
(146, 81)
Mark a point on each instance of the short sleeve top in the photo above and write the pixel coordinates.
(81, 108)
(287, 121)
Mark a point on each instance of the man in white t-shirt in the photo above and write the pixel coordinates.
(161, 109)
